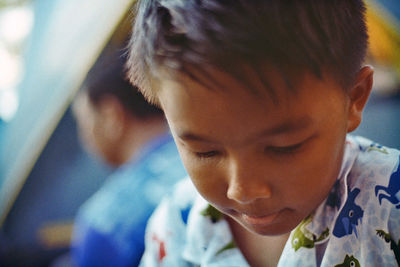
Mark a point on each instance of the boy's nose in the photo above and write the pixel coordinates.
(246, 185)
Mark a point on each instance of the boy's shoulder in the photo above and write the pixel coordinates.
(370, 150)
(367, 169)
(372, 179)
(361, 209)
(370, 207)
(376, 173)
(373, 166)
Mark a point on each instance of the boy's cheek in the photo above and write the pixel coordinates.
(207, 179)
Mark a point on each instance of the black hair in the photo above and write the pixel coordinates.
(108, 78)
(292, 36)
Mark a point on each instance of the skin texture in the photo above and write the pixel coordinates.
(266, 164)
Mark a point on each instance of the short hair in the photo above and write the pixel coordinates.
(108, 78)
(292, 36)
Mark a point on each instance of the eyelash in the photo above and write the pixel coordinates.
(205, 155)
(273, 149)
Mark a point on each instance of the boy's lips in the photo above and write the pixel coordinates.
(259, 220)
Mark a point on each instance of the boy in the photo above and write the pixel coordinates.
(260, 96)
(117, 124)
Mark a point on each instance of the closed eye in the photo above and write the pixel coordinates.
(283, 149)
(207, 154)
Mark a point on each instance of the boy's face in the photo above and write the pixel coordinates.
(265, 164)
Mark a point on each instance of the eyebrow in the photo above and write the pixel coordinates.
(294, 125)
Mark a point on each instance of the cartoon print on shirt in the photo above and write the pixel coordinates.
(302, 237)
(214, 214)
(373, 147)
(161, 248)
(377, 147)
(349, 216)
(349, 261)
(228, 246)
(185, 214)
(333, 199)
(392, 190)
(393, 246)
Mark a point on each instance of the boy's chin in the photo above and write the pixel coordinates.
(273, 229)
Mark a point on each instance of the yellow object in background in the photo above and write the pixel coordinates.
(384, 33)
(56, 234)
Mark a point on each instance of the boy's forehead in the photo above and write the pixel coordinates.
(273, 95)
(265, 81)
(198, 113)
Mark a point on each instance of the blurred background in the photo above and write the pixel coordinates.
(46, 49)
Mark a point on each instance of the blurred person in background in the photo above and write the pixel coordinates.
(117, 124)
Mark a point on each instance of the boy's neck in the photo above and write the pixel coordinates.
(257, 249)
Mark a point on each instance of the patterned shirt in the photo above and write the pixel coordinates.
(358, 224)
(109, 229)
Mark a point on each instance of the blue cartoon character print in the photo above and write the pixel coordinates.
(349, 216)
(392, 190)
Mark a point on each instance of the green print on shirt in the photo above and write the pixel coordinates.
(377, 147)
(304, 238)
(228, 246)
(393, 246)
(214, 214)
(349, 261)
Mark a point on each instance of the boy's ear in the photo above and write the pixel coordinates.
(359, 94)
